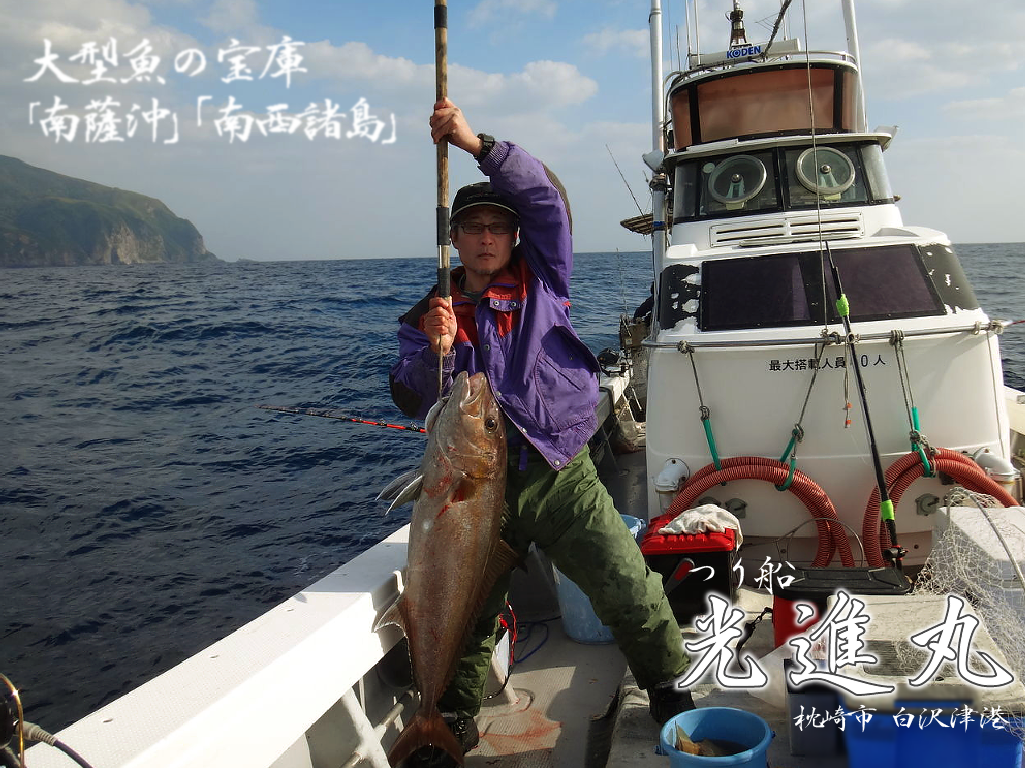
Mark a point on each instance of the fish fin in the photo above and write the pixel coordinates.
(500, 561)
(398, 486)
(426, 729)
(432, 414)
(409, 494)
(503, 558)
(517, 561)
(394, 615)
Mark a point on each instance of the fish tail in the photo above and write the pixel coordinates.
(425, 730)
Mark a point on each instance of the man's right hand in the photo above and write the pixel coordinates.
(440, 326)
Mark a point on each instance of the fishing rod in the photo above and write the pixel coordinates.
(334, 413)
(441, 93)
(885, 504)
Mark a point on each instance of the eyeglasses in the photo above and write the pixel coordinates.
(495, 228)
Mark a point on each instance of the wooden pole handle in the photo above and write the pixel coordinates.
(440, 93)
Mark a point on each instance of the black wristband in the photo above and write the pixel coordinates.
(487, 142)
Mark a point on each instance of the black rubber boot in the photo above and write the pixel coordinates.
(466, 733)
(668, 699)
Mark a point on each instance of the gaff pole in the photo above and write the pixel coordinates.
(440, 93)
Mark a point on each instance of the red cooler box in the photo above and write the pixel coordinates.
(692, 565)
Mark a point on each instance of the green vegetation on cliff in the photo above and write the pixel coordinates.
(47, 219)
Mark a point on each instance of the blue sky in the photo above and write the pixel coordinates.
(567, 79)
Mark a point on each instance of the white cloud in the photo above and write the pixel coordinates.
(633, 42)
(239, 18)
(357, 62)
(959, 183)
(1011, 106)
(538, 86)
(898, 68)
(950, 48)
(231, 16)
(69, 27)
(893, 52)
(553, 83)
(498, 12)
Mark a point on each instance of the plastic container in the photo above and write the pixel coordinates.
(807, 740)
(814, 586)
(725, 723)
(579, 620)
(675, 556)
(885, 744)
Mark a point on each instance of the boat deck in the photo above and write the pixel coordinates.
(577, 704)
(559, 705)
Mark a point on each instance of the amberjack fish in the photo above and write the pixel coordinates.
(455, 552)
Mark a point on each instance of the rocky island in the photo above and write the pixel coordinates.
(50, 220)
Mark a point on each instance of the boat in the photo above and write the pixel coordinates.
(765, 176)
(773, 181)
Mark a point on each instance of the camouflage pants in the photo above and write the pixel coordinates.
(571, 517)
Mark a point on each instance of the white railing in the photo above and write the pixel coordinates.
(249, 699)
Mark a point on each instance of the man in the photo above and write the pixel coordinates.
(509, 317)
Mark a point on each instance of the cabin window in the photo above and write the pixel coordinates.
(881, 283)
(740, 183)
(762, 292)
(875, 173)
(749, 182)
(763, 102)
(832, 173)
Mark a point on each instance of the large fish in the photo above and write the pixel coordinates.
(455, 553)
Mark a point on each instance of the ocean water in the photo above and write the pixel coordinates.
(147, 508)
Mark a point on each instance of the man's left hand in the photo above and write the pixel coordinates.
(448, 122)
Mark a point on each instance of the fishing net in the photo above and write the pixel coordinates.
(977, 552)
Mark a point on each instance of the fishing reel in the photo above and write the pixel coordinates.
(8, 712)
(10, 722)
(611, 361)
(895, 555)
(13, 724)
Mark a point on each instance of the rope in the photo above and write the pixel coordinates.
(706, 413)
(797, 433)
(918, 442)
(1002, 435)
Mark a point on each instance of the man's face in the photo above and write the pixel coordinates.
(485, 253)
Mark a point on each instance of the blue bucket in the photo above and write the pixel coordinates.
(579, 620)
(725, 723)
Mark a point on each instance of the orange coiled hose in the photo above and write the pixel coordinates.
(899, 477)
(831, 533)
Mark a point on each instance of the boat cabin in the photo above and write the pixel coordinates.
(755, 100)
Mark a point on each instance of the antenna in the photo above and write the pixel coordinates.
(737, 34)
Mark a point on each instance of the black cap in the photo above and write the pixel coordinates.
(480, 193)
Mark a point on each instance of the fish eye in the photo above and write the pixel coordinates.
(490, 424)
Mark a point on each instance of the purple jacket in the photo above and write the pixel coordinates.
(543, 375)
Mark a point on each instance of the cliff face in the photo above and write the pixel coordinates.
(50, 220)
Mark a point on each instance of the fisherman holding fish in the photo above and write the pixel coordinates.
(508, 317)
